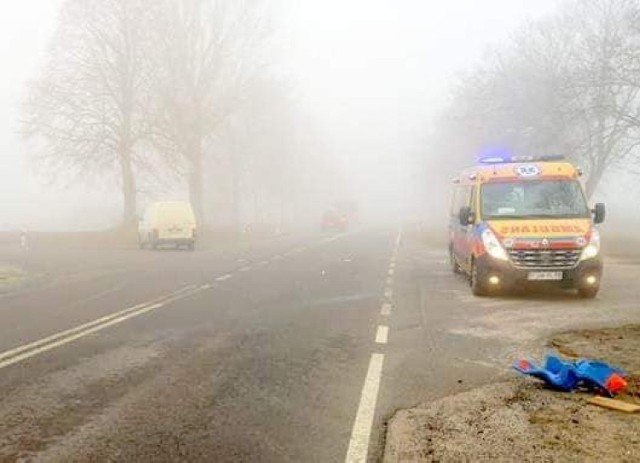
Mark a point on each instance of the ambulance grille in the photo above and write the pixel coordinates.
(545, 258)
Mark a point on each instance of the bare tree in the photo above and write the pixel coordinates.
(88, 111)
(562, 85)
(601, 103)
(207, 55)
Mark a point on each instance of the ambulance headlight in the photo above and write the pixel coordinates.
(493, 246)
(592, 249)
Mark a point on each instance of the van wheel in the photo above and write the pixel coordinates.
(588, 293)
(455, 268)
(477, 288)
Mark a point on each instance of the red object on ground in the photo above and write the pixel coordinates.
(524, 364)
(616, 384)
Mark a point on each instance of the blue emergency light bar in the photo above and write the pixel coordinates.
(496, 157)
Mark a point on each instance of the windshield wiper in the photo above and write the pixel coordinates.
(535, 216)
(506, 217)
(555, 216)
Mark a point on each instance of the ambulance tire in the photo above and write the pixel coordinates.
(588, 293)
(454, 265)
(477, 288)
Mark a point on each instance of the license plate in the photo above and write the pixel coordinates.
(544, 276)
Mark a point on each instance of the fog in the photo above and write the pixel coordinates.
(364, 84)
(256, 230)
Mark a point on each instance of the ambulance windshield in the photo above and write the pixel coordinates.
(534, 199)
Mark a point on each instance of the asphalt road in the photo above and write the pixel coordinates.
(295, 349)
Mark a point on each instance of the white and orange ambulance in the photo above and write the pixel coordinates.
(523, 221)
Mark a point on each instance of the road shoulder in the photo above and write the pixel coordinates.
(520, 420)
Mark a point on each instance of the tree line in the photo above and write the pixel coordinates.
(566, 84)
(153, 89)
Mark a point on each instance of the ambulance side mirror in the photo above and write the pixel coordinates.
(466, 216)
(599, 213)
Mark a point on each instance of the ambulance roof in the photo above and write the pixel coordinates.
(522, 171)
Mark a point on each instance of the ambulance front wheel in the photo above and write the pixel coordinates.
(455, 268)
(589, 292)
(477, 286)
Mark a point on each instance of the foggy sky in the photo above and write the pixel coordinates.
(372, 73)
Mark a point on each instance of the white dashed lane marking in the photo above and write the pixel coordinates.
(386, 309)
(361, 432)
(224, 277)
(382, 334)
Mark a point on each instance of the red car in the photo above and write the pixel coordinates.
(335, 220)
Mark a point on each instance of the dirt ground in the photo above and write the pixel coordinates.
(520, 420)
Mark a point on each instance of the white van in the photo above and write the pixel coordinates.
(168, 223)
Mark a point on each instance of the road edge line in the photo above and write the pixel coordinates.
(31, 349)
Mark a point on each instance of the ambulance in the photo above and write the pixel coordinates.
(524, 222)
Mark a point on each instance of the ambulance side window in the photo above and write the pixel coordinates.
(457, 201)
(454, 201)
(465, 197)
(472, 199)
(462, 198)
